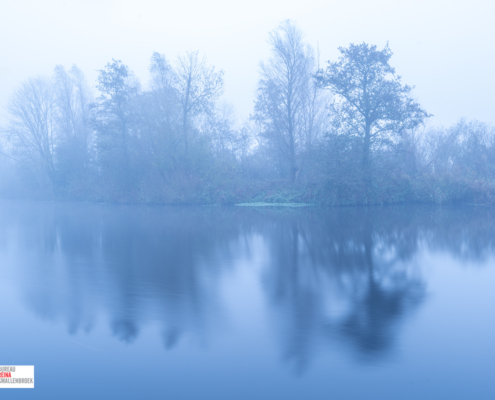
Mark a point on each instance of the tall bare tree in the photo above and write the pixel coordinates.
(32, 128)
(72, 99)
(198, 86)
(286, 102)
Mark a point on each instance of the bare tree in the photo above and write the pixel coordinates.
(198, 86)
(227, 140)
(287, 100)
(72, 97)
(32, 128)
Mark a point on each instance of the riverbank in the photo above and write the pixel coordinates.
(396, 190)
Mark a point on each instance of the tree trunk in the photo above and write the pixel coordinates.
(127, 171)
(366, 161)
(292, 144)
(185, 112)
(293, 171)
(184, 130)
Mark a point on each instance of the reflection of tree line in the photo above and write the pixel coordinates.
(138, 264)
(335, 275)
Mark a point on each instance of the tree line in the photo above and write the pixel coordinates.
(349, 133)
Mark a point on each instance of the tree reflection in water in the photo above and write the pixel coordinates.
(331, 276)
(343, 275)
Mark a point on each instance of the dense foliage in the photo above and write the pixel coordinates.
(347, 134)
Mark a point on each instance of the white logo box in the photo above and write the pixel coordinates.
(16, 376)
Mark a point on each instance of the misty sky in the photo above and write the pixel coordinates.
(445, 48)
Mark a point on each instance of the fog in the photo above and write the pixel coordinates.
(216, 103)
(443, 47)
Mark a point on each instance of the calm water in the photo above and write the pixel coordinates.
(134, 302)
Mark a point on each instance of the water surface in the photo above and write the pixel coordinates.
(139, 302)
